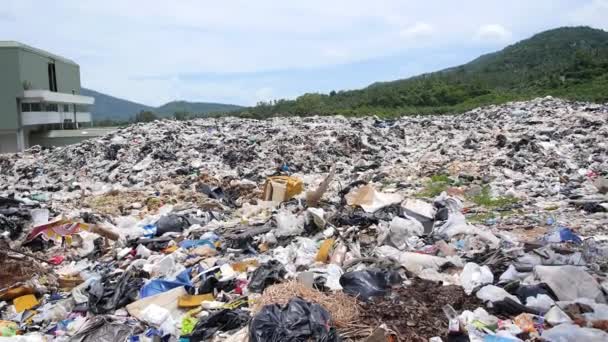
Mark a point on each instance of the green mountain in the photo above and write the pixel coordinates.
(113, 108)
(569, 62)
(195, 107)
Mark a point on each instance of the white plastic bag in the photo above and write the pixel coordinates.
(401, 229)
(571, 332)
(491, 293)
(288, 224)
(473, 276)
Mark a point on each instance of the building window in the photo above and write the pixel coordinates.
(82, 108)
(52, 107)
(25, 107)
(34, 107)
(66, 108)
(52, 77)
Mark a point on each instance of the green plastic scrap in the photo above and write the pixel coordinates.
(188, 324)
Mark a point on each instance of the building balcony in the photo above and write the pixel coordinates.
(43, 107)
(43, 118)
(54, 97)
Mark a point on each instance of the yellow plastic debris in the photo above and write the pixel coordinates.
(25, 302)
(323, 253)
(192, 301)
(282, 188)
(170, 249)
(241, 266)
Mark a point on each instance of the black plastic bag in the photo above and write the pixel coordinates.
(113, 291)
(103, 329)
(267, 274)
(369, 283)
(171, 223)
(509, 307)
(224, 320)
(215, 193)
(297, 321)
(525, 291)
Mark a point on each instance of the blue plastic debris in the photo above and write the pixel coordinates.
(186, 244)
(566, 234)
(157, 286)
(149, 231)
(563, 234)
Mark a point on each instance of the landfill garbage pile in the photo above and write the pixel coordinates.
(486, 226)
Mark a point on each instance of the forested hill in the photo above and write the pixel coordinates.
(111, 110)
(569, 62)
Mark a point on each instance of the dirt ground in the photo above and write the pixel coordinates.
(415, 312)
(15, 270)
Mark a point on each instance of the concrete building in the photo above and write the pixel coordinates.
(39, 93)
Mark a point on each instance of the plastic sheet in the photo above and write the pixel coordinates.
(369, 283)
(571, 332)
(267, 274)
(570, 282)
(157, 286)
(103, 329)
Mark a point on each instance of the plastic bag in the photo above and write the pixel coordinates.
(413, 262)
(369, 283)
(288, 224)
(473, 276)
(113, 291)
(296, 321)
(103, 329)
(542, 303)
(402, 228)
(491, 293)
(171, 223)
(571, 332)
(224, 320)
(267, 274)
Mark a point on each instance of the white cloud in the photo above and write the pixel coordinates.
(418, 30)
(493, 33)
(594, 13)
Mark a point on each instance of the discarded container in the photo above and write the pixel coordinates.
(282, 188)
(25, 302)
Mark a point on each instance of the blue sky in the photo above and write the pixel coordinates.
(246, 51)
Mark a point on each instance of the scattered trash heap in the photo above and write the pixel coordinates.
(486, 226)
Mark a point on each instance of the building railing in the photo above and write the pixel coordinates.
(42, 118)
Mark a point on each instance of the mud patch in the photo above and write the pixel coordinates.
(14, 271)
(414, 312)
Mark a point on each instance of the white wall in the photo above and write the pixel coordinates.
(8, 142)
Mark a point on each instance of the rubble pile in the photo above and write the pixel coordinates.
(485, 226)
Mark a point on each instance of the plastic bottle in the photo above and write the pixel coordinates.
(453, 322)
